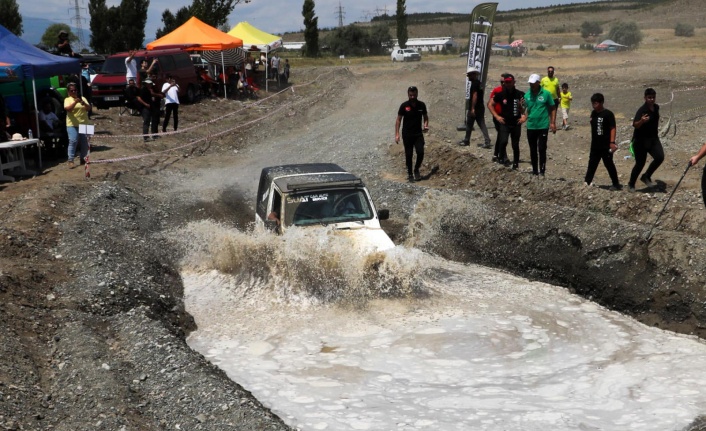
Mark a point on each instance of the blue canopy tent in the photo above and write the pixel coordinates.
(23, 61)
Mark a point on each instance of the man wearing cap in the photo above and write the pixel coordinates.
(415, 124)
(475, 108)
(63, 46)
(147, 104)
(541, 116)
(510, 117)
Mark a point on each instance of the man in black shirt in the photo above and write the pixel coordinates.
(602, 142)
(476, 108)
(416, 123)
(511, 117)
(646, 140)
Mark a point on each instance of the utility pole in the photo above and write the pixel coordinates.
(340, 13)
(76, 20)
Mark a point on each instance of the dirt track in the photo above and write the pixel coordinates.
(90, 292)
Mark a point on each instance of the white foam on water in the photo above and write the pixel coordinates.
(484, 351)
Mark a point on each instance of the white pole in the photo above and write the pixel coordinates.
(225, 87)
(267, 67)
(36, 121)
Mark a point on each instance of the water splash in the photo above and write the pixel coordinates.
(305, 265)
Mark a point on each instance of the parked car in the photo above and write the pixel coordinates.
(406, 54)
(109, 85)
(320, 194)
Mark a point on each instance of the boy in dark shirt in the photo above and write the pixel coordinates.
(602, 142)
(646, 140)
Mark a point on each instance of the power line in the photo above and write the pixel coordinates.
(77, 20)
(340, 13)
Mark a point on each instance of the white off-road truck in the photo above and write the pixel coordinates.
(316, 195)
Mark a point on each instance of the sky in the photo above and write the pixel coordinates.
(275, 16)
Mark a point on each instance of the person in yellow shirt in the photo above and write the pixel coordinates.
(551, 84)
(565, 105)
(77, 109)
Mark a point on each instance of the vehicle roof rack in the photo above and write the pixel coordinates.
(327, 185)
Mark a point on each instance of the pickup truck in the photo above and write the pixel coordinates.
(320, 194)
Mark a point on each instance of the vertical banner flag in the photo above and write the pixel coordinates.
(481, 35)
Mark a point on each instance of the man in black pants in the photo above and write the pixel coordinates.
(646, 140)
(416, 123)
(602, 142)
(511, 117)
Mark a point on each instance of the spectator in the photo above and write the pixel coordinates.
(511, 117)
(130, 66)
(149, 107)
(48, 121)
(541, 116)
(498, 108)
(77, 109)
(274, 69)
(131, 93)
(4, 120)
(565, 105)
(63, 46)
(602, 142)
(475, 108)
(551, 84)
(170, 89)
(415, 124)
(646, 140)
(145, 71)
(286, 71)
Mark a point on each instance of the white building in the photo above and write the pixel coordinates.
(293, 45)
(428, 43)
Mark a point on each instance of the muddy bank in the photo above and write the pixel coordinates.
(658, 281)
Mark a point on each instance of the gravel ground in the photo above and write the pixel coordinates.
(89, 282)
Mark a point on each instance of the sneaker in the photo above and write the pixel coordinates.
(71, 164)
(487, 145)
(464, 143)
(615, 187)
(417, 176)
(648, 181)
(515, 167)
(410, 178)
(588, 184)
(495, 159)
(631, 189)
(148, 139)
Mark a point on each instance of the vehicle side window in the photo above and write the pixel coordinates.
(166, 63)
(182, 61)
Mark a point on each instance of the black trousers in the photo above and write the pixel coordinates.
(642, 148)
(537, 140)
(412, 144)
(597, 154)
(509, 133)
(150, 117)
(168, 109)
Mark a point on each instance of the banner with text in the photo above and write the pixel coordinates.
(481, 35)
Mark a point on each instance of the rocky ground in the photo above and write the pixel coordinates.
(91, 299)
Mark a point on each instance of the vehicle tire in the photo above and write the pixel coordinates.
(190, 94)
(394, 60)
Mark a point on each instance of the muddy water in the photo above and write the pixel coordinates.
(332, 340)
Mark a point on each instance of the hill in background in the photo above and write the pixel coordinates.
(557, 24)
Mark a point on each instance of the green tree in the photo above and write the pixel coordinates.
(100, 38)
(380, 40)
(172, 22)
(401, 18)
(353, 40)
(311, 29)
(684, 30)
(10, 17)
(590, 28)
(133, 17)
(626, 33)
(50, 36)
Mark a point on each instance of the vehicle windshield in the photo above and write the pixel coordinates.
(325, 207)
(116, 65)
(410, 51)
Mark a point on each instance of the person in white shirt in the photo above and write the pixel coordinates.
(170, 89)
(130, 66)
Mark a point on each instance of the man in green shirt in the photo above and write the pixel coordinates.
(541, 116)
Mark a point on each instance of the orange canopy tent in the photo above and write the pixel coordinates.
(195, 35)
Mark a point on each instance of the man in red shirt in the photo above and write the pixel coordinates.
(498, 109)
